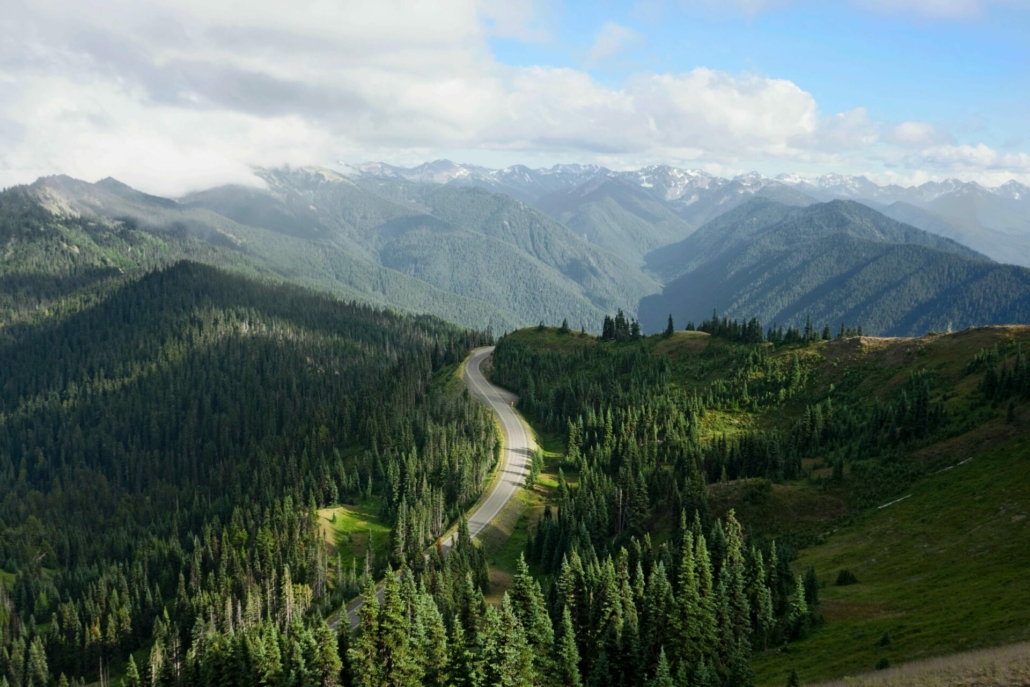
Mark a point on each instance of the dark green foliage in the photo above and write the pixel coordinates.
(846, 577)
(885, 640)
(162, 451)
(883, 663)
(792, 679)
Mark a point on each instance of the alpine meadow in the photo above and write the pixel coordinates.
(523, 344)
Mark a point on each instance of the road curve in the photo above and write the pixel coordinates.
(518, 446)
(515, 460)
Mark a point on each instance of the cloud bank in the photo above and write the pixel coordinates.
(174, 96)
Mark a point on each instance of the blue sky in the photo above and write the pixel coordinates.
(963, 67)
(966, 72)
(173, 95)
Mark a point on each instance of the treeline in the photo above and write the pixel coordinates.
(163, 452)
(750, 331)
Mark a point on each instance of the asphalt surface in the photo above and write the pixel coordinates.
(515, 459)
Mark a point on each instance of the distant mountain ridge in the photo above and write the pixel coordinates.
(836, 262)
(578, 196)
(673, 183)
(462, 253)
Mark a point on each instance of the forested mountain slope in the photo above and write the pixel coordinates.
(62, 235)
(834, 262)
(998, 245)
(462, 240)
(164, 448)
(882, 486)
(471, 256)
(617, 215)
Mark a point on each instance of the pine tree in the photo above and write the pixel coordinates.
(132, 678)
(463, 667)
(792, 679)
(527, 601)
(325, 662)
(663, 674)
(365, 659)
(670, 329)
(399, 668)
(507, 657)
(566, 655)
(430, 639)
(798, 619)
(684, 621)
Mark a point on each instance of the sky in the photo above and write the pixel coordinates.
(171, 96)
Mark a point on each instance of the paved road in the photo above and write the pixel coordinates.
(515, 459)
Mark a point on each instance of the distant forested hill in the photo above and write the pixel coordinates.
(834, 262)
(465, 254)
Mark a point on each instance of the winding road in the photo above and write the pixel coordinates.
(515, 459)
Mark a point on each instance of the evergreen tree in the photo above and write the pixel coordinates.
(463, 666)
(663, 673)
(507, 657)
(325, 661)
(366, 655)
(132, 678)
(566, 654)
(670, 329)
(527, 602)
(398, 665)
(798, 619)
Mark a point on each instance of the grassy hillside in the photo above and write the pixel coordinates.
(933, 523)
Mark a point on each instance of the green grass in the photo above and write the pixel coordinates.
(942, 571)
(349, 534)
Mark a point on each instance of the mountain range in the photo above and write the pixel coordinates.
(994, 221)
(839, 262)
(507, 248)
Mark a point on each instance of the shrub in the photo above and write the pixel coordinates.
(846, 577)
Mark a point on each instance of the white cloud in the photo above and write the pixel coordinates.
(176, 95)
(611, 40)
(916, 134)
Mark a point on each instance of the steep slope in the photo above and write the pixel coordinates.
(702, 208)
(63, 236)
(591, 274)
(189, 403)
(1006, 212)
(731, 228)
(997, 245)
(617, 215)
(841, 262)
(463, 253)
